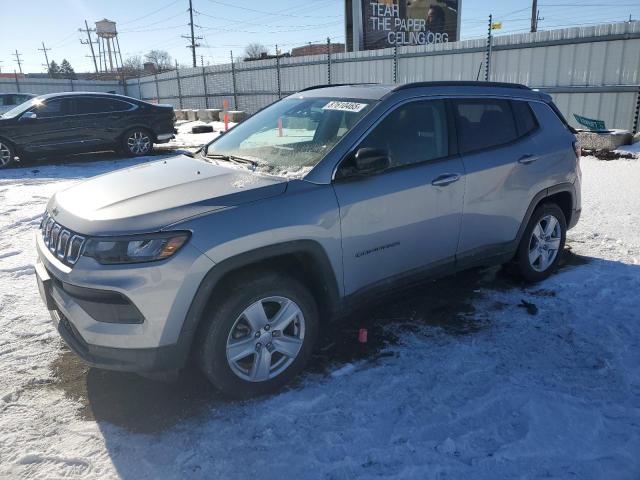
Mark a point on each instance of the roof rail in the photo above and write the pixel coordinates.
(314, 87)
(461, 83)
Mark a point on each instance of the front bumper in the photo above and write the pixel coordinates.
(141, 360)
(106, 333)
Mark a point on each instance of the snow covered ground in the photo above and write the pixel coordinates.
(472, 377)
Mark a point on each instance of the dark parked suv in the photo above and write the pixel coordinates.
(83, 122)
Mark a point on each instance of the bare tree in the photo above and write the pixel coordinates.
(254, 51)
(161, 59)
(133, 65)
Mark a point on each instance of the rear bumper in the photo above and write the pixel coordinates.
(164, 137)
(575, 217)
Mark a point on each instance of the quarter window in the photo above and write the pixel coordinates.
(525, 120)
(413, 133)
(484, 124)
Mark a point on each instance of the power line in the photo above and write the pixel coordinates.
(151, 13)
(264, 12)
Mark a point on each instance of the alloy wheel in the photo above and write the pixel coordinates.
(544, 243)
(139, 143)
(265, 339)
(5, 155)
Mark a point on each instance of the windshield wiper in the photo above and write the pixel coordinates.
(233, 159)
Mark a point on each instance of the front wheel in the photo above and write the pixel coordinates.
(137, 142)
(542, 243)
(7, 154)
(259, 336)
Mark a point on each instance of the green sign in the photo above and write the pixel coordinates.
(590, 123)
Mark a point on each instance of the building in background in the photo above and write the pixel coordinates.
(388, 23)
(317, 49)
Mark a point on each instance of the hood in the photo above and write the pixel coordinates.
(152, 195)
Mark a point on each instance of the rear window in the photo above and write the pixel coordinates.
(484, 124)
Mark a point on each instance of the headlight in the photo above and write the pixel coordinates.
(135, 249)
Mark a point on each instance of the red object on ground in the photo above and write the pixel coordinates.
(225, 104)
(279, 126)
(226, 120)
(362, 335)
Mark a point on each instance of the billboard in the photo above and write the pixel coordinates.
(373, 24)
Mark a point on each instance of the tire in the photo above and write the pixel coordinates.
(542, 243)
(7, 154)
(228, 332)
(202, 129)
(137, 142)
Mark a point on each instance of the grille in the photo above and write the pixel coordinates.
(62, 242)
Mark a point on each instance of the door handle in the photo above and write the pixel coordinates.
(446, 179)
(527, 159)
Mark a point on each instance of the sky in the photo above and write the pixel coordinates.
(226, 25)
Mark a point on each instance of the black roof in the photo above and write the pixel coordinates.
(82, 94)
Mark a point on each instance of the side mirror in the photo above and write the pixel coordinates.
(29, 116)
(369, 161)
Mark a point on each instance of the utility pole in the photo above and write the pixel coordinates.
(534, 16)
(46, 57)
(192, 37)
(17, 55)
(89, 41)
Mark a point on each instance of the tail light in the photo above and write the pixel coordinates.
(577, 149)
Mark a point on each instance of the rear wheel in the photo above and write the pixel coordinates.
(137, 142)
(7, 154)
(542, 243)
(259, 336)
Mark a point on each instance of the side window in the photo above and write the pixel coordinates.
(525, 119)
(484, 124)
(51, 108)
(100, 105)
(412, 133)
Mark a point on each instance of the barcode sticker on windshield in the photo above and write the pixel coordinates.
(344, 106)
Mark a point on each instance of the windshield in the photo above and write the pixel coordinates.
(290, 136)
(23, 107)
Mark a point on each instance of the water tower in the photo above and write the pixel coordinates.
(108, 46)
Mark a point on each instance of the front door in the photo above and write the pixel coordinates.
(55, 127)
(407, 218)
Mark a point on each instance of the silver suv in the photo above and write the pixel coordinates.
(238, 255)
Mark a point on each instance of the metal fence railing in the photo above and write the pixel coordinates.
(591, 71)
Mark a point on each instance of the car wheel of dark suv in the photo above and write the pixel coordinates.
(542, 243)
(137, 142)
(7, 154)
(259, 336)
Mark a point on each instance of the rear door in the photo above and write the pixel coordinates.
(498, 144)
(407, 218)
(103, 119)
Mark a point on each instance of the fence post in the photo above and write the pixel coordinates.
(328, 61)
(124, 86)
(139, 89)
(155, 76)
(395, 63)
(179, 86)
(233, 79)
(487, 65)
(71, 82)
(636, 119)
(204, 83)
(278, 73)
(15, 74)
